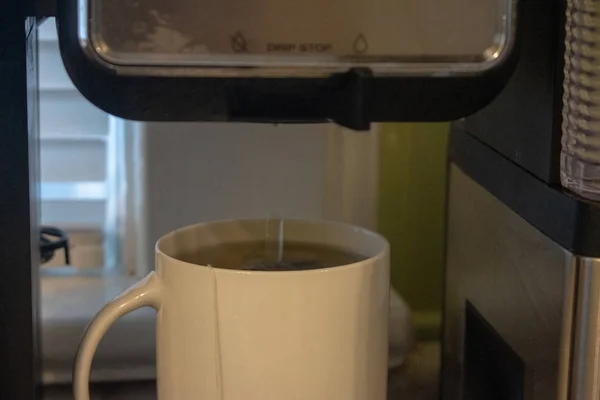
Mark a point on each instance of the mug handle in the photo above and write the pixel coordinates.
(145, 293)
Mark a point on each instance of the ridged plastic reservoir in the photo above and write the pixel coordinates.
(580, 157)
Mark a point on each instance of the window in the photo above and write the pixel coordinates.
(83, 192)
(79, 158)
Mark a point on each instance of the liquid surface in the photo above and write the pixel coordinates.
(262, 256)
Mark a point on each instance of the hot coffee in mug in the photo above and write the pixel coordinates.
(244, 315)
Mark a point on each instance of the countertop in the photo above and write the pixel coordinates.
(416, 379)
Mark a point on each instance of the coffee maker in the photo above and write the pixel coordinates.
(519, 313)
(521, 301)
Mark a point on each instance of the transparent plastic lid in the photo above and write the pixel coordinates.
(418, 36)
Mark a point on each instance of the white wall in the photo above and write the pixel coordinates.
(192, 172)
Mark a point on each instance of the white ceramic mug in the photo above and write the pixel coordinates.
(254, 335)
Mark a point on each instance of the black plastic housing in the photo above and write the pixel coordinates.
(354, 99)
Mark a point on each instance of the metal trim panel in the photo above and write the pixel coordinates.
(585, 359)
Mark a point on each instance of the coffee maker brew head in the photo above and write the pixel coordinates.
(349, 61)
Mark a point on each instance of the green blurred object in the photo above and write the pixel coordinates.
(412, 191)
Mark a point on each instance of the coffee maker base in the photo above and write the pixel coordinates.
(521, 311)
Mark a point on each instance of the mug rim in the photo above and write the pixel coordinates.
(383, 253)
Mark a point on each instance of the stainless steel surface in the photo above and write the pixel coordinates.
(292, 38)
(520, 281)
(585, 375)
(566, 344)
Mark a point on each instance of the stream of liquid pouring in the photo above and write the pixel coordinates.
(280, 240)
(274, 229)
